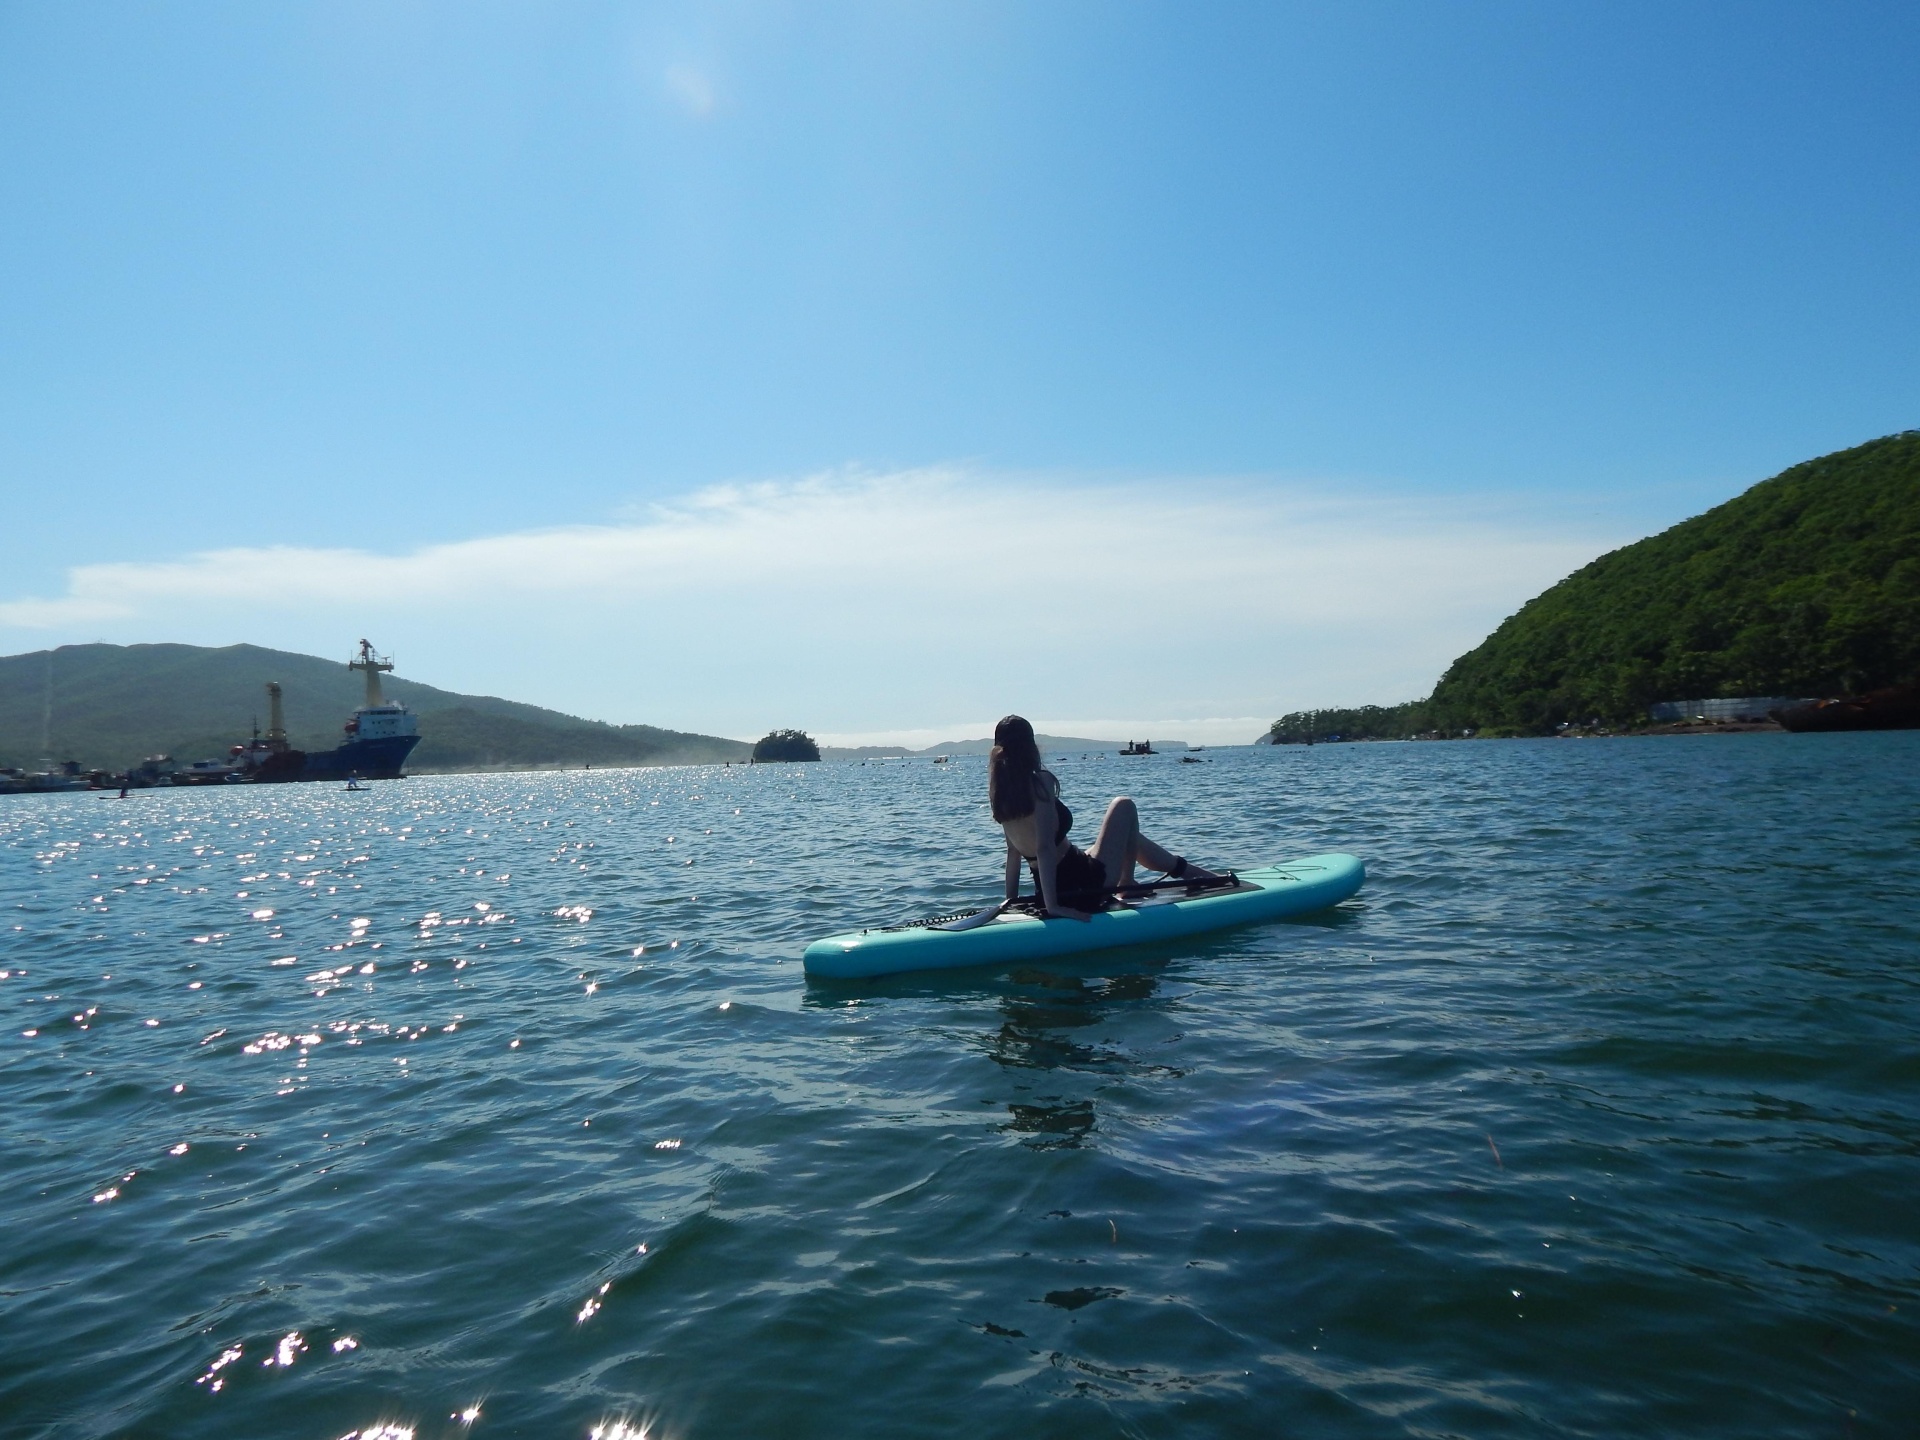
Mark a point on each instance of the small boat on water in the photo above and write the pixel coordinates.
(1138, 747)
(209, 772)
(1897, 707)
(51, 780)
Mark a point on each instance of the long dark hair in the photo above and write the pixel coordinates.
(1012, 769)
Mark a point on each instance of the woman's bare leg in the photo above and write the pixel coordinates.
(1117, 846)
(1121, 846)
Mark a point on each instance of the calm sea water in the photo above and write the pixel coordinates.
(1597, 1113)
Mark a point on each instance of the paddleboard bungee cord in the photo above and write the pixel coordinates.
(1035, 906)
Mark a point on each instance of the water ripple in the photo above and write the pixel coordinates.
(499, 1106)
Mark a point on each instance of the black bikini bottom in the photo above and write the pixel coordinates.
(1080, 880)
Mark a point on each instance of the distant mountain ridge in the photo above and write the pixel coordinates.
(108, 706)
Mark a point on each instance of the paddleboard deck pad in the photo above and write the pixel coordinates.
(1143, 916)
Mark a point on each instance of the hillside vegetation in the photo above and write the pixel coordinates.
(1806, 585)
(113, 704)
(1366, 722)
(783, 745)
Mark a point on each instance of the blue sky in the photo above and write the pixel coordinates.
(444, 323)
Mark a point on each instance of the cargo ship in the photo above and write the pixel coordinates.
(379, 737)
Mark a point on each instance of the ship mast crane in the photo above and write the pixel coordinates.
(372, 664)
(276, 720)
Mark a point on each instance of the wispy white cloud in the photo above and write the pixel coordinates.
(856, 602)
(691, 89)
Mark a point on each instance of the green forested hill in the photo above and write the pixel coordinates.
(108, 705)
(1807, 584)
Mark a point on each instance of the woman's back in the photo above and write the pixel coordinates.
(1023, 831)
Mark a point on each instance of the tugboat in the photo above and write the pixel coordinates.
(380, 736)
(1895, 708)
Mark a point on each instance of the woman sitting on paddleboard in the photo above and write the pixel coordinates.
(1025, 798)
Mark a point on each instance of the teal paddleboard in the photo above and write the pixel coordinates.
(1272, 892)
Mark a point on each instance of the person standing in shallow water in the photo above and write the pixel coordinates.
(1025, 798)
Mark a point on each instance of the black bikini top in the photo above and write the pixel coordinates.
(1060, 806)
(1047, 788)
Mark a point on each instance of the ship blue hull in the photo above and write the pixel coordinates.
(369, 759)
